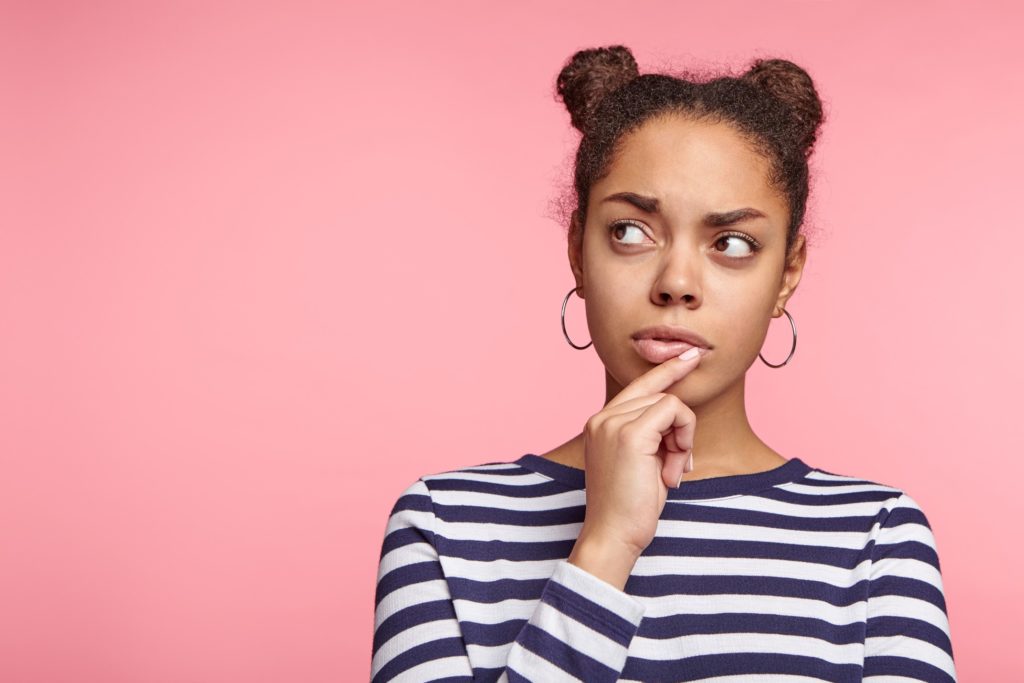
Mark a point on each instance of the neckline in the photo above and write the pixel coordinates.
(712, 487)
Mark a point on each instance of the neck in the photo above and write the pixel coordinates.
(724, 443)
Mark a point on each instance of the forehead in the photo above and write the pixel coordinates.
(691, 164)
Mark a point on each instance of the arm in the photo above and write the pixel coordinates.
(907, 625)
(580, 629)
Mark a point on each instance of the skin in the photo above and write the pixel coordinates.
(673, 268)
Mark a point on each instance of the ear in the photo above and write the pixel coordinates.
(791, 274)
(576, 250)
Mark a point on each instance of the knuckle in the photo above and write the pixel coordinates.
(627, 433)
(670, 398)
(614, 425)
(600, 426)
(678, 405)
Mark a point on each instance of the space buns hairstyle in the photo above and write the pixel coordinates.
(589, 76)
(773, 105)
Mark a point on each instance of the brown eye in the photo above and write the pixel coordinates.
(624, 227)
(751, 244)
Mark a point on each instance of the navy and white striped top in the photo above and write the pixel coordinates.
(794, 574)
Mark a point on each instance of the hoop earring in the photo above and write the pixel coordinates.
(564, 302)
(793, 349)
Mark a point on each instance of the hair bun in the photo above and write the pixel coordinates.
(591, 74)
(793, 86)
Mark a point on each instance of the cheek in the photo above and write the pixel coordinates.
(744, 308)
(744, 316)
(612, 288)
(610, 305)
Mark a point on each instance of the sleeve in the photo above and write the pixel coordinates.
(580, 629)
(908, 636)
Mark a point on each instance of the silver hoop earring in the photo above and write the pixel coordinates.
(791, 351)
(564, 302)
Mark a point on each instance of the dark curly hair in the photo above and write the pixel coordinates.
(773, 106)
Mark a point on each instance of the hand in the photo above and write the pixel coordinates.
(635, 448)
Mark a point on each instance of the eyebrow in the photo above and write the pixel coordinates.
(651, 205)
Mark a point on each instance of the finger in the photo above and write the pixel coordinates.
(677, 438)
(666, 438)
(669, 417)
(633, 404)
(682, 437)
(633, 408)
(619, 420)
(675, 441)
(673, 459)
(674, 468)
(677, 455)
(670, 413)
(630, 410)
(658, 378)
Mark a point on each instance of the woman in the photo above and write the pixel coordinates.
(666, 541)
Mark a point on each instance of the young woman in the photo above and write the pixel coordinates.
(666, 541)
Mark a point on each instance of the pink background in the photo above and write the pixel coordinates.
(262, 264)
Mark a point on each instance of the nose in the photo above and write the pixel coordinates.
(679, 276)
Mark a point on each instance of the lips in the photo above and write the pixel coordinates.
(659, 351)
(658, 343)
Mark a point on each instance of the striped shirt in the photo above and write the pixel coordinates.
(793, 574)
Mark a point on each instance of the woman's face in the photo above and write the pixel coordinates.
(640, 266)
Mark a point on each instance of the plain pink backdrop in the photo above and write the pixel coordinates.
(263, 264)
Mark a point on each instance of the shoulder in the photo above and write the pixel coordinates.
(816, 476)
(495, 471)
(898, 521)
(846, 488)
(477, 484)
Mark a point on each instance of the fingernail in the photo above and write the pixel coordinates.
(680, 482)
(688, 465)
(690, 353)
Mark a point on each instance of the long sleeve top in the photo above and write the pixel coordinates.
(790, 574)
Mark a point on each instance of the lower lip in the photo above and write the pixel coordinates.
(657, 351)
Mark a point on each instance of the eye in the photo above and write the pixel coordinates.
(753, 245)
(625, 226)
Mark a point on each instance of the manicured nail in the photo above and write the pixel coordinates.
(688, 465)
(690, 353)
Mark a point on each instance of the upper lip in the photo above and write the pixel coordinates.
(673, 332)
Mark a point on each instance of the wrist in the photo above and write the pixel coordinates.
(608, 559)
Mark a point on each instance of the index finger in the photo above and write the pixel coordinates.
(661, 376)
